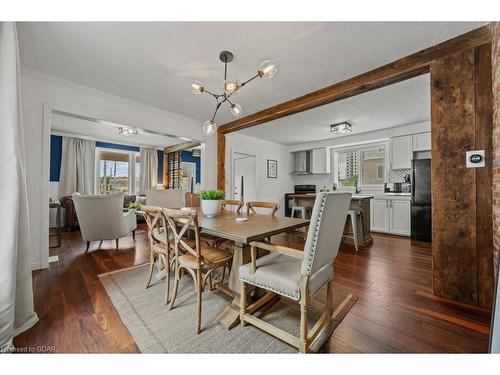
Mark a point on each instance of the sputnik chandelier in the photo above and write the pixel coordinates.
(267, 69)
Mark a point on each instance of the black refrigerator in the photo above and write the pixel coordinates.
(421, 225)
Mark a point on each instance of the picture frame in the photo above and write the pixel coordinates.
(272, 168)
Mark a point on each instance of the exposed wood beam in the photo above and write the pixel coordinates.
(399, 70)
(180, 146)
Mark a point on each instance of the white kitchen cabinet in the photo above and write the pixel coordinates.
(320, 161)
(379, 215)
(399, 217)
(422, 141)
(390, 215)
(401, 152)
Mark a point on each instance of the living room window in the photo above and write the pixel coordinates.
(360, 166)
(117, 170)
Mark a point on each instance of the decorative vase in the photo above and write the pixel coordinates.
(210, 208)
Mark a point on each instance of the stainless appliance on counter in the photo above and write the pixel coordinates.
(298, 189)
(399, 188)
(421, 224)
(393, 187)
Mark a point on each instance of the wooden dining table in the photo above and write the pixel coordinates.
(258, 227)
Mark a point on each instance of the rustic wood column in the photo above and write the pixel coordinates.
(221, 161)
(461, 197)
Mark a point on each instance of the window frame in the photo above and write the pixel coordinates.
(131, 168)
(359, 148)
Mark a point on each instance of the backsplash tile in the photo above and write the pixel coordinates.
(398, 175)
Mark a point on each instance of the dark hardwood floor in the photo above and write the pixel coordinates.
(395, 312)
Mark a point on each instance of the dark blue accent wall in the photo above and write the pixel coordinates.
(56, 155)
(116, 146)
(188, 157)
(160, 166)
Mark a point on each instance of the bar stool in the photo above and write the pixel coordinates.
(303, 211)
(354, 214)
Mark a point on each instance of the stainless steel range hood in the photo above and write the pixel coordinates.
(302, 162)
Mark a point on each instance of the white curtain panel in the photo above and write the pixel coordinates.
(16, 293)
(149, 169)
(77, 167)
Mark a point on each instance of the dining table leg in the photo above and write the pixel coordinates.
(230, 317)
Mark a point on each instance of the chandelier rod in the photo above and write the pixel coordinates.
(217, 108)
(251, 79)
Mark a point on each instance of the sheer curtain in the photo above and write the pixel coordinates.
(149, 169)
(77, 167)
(16, 291)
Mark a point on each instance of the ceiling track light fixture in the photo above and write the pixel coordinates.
(341, 128)
(127, 131)
(267, 69)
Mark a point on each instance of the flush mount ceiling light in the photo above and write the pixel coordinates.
(128, 131)
(341, 128)
(267, 69)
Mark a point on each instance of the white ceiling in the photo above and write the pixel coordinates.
(154, 63)
(107, 131)
(403, 103)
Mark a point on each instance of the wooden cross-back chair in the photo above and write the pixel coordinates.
(299, 275)
(226, 203)
(255, 204)
(198, 260)
(192, 200)
(160, 251)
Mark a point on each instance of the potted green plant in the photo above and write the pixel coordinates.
(211, 202)
(134, 206)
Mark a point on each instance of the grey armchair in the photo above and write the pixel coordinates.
(299, 275)
(101, 217)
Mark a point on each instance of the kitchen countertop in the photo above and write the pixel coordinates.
(313, 196)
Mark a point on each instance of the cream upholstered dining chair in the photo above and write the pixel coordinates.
(252, 205)
(198, 260)
(101, 217)
(299, 275)
(160, 252)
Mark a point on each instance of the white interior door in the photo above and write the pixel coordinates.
(244, 177)
(188, 176)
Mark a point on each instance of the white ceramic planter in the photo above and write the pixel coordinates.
(210, 208)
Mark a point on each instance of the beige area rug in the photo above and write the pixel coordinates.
(158, 330)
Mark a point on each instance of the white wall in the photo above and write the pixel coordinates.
(384, 134)
(39, 89)
(268, 189)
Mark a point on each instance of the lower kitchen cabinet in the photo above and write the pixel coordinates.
(399, 217)
(390, 215)
(379, 219)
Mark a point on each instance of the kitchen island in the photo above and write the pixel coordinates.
(360, 202)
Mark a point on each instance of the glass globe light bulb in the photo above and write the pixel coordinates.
(231, 87)
(197, 87)
(209, 127)
(267, 69)
(236, 109)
